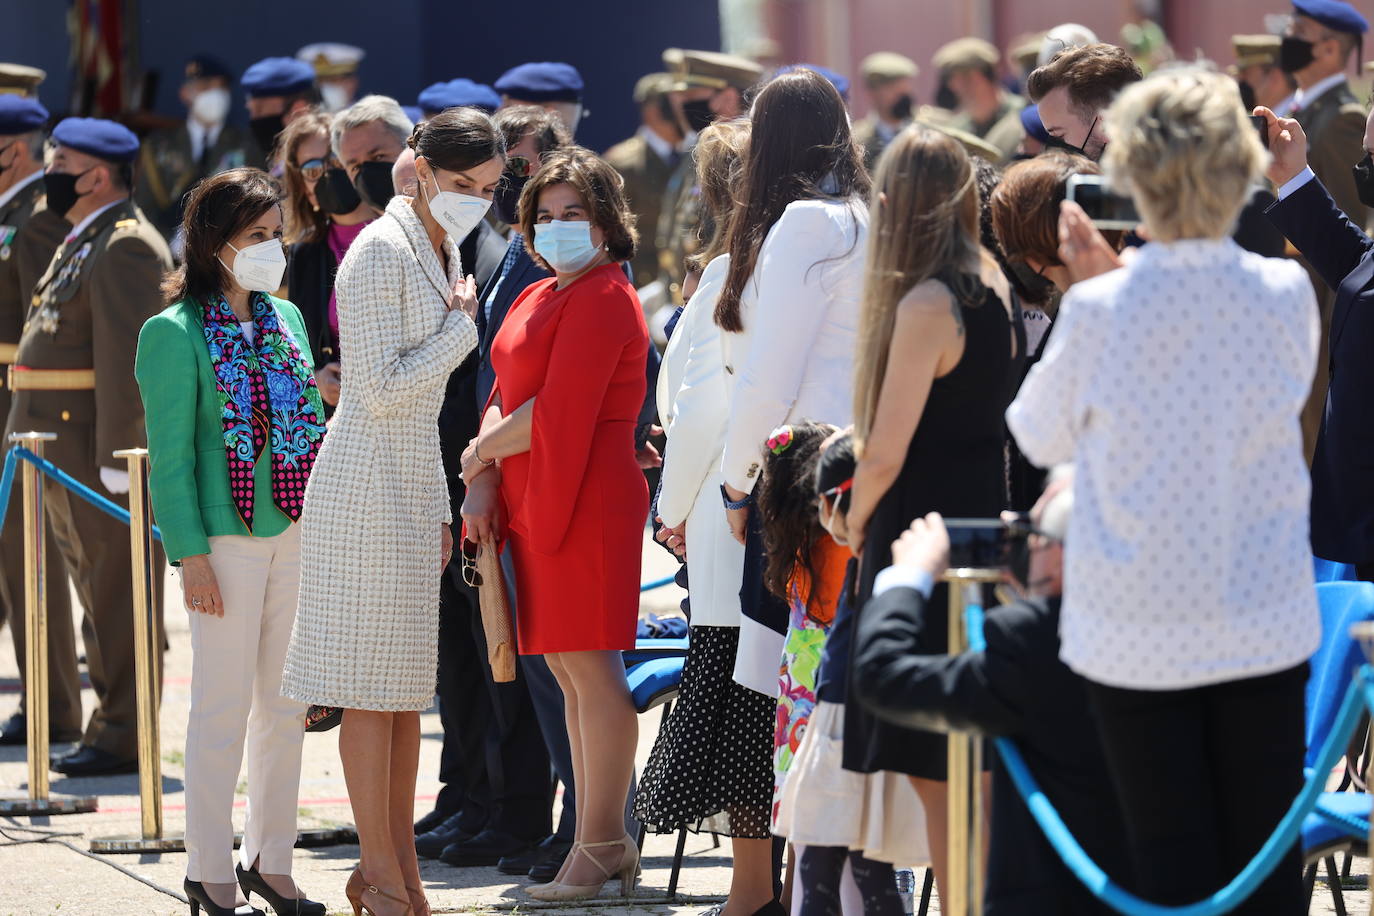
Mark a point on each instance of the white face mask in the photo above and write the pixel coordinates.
(565, 244)
(334, 96)
(211, 106)
(458, 213)
(259, 267)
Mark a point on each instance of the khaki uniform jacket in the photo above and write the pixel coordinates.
(680, 233)
(1003, 131)
(166, 171)
(1334, 123)
(29, 234)
(85, 313)
(646, 177)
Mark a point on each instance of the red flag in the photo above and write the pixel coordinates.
(96, 28)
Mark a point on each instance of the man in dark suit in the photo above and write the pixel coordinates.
(1017, 688)
(1343, 256)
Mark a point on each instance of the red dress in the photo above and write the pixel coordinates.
(577, 500)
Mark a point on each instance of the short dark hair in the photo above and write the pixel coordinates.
(1093, 75)
(599, 186)
(217, 210)
(457, 139)
(520, 121)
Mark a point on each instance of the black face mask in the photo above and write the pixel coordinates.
(1247, 97)
(60, 188)
(698, 114)
(1033, 287)
(335, 193)
(901, 109)
(1364, 180)
(945, 98)
(265, 131)
(1083, 149)
(507, 197)
(1295, 54)
(374, 183)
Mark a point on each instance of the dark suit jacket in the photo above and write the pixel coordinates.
(1334, 123)
(1018, 688)
(1343, 468)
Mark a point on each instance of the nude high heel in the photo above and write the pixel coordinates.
(362, 896)
(562, 870)
(627, 871)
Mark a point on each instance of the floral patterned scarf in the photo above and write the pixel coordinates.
(264, 398)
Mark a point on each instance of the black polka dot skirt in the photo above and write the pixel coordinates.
(711, 769)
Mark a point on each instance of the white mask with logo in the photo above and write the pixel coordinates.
(458, 213)
(211, 106)
(334, 96)
(259, 267)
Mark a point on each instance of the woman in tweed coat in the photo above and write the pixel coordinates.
(375, 529)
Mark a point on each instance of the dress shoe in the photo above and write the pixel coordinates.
(555, 850)
(521, 862)
(432, 844)
(15, 732)
(92, 761)
(487, 848)
(431, 820)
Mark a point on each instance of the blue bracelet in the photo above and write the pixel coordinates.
(742, 504)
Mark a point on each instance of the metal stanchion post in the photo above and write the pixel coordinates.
(36, 646)
(1364, 634)
(147, 647)
(964, 896)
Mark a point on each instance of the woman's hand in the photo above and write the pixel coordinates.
(199, 587)
(482, 509)
(1081, 247)
(328, 379)
(675, 539)
(472, 466)
(445, 545)
(465, 297)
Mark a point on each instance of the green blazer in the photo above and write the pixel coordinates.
(188, 474)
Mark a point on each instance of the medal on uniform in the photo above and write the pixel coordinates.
(72, 268)
(49, 319)
(7, 234)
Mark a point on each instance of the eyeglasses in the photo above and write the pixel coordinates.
(312, 169)
(518, 166)
(1021, 527)
(471, 576)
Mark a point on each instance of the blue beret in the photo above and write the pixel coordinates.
(542, 82)
(278, 76)
(203, 66)
(458, 93)
(97, 137)
(414, 113)
(20, 114)
(1034, 127)
(838, 80)
(1334, 14)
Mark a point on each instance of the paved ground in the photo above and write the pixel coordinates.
(58, 875)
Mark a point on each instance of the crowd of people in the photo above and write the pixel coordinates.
(370, 336)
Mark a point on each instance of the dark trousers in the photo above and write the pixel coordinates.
(493, 765)
(1204, 775)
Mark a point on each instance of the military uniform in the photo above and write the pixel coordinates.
(17, 79)
(877, 70)
(73, 376)
(168, 169)
(1003, 128)
(646, 175)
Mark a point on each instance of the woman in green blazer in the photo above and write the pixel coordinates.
(234, 423)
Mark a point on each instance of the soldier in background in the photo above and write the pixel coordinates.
(986, 110)
(890, 80)
(173, 161)
(29, 234)
(74, 376)
(280, 89)
(336, 72)
(549, 85)
(19, 79)
(646, 162)
(1262, 81)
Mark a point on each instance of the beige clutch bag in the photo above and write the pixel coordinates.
(482, 571)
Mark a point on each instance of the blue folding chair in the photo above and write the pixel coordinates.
(1331, 571)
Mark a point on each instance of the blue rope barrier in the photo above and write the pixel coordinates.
(108, 506)
(1360, 694)
(657, 583)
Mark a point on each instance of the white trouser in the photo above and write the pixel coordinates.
(236, 692)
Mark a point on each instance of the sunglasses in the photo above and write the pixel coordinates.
(471, 576)
(313, 169)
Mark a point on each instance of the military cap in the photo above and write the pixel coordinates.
(203, 66)
(882, 67)
(1256, 49)
(838, 80)
(413, 112)
(20, 114)
(542, 81)
(966, 54)
(1033, 126)
(275, 76)
(652, 85)
(973, 145)
(710, 70)
(330, 58)
(1025, 50)
(17, 79)
(459, 93)
(1334, 14)
(97, 137)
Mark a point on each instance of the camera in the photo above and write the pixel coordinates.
(979, 543)
(1106, 209)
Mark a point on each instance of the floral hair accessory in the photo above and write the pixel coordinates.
(780, 441)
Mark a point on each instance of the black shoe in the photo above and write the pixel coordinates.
(92, 761)
(431, 820)
(253, 883)
(15, 733)
(431, 845)
(521, 862)
(487, 848)
(197, 896)
(555, 851)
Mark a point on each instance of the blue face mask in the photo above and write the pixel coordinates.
(565, 244)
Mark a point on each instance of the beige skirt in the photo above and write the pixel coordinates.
(823, 804)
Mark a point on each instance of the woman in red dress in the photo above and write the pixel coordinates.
(555, 455)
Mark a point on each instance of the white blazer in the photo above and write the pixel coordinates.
(691, 401)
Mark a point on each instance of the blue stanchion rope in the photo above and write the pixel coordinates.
(18, 452)
(1360, 694)
(657, 583)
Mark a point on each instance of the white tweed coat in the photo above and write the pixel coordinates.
(366, 630)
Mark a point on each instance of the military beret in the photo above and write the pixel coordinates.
(652, 85)
(966, 54)
(97, 137)
(1334, 14)
(838, 80)
(973, 144)
(203, 66)
(543, 81)
(414, 113)
(1025, 49)
(20, 114)
(459, 93)
(275, 76)
(1256, 49)
(710, 70)
(1033, 126)
(20, 79)
(330, 58)
(882, 67)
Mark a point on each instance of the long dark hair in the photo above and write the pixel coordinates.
(458, 139)
(217, 210)
(304, 223)
(800, 136)
(787, 507)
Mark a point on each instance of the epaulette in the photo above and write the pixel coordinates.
(127, 224)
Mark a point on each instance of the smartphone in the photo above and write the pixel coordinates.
(978, 543)
(1106, 209)
(1262, 125)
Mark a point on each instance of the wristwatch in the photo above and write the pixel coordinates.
(731, 505)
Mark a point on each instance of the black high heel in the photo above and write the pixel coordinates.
(254, 883)
(198, 897)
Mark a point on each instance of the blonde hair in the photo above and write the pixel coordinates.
(719, 156)
(923, 218)
(1182, 147)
